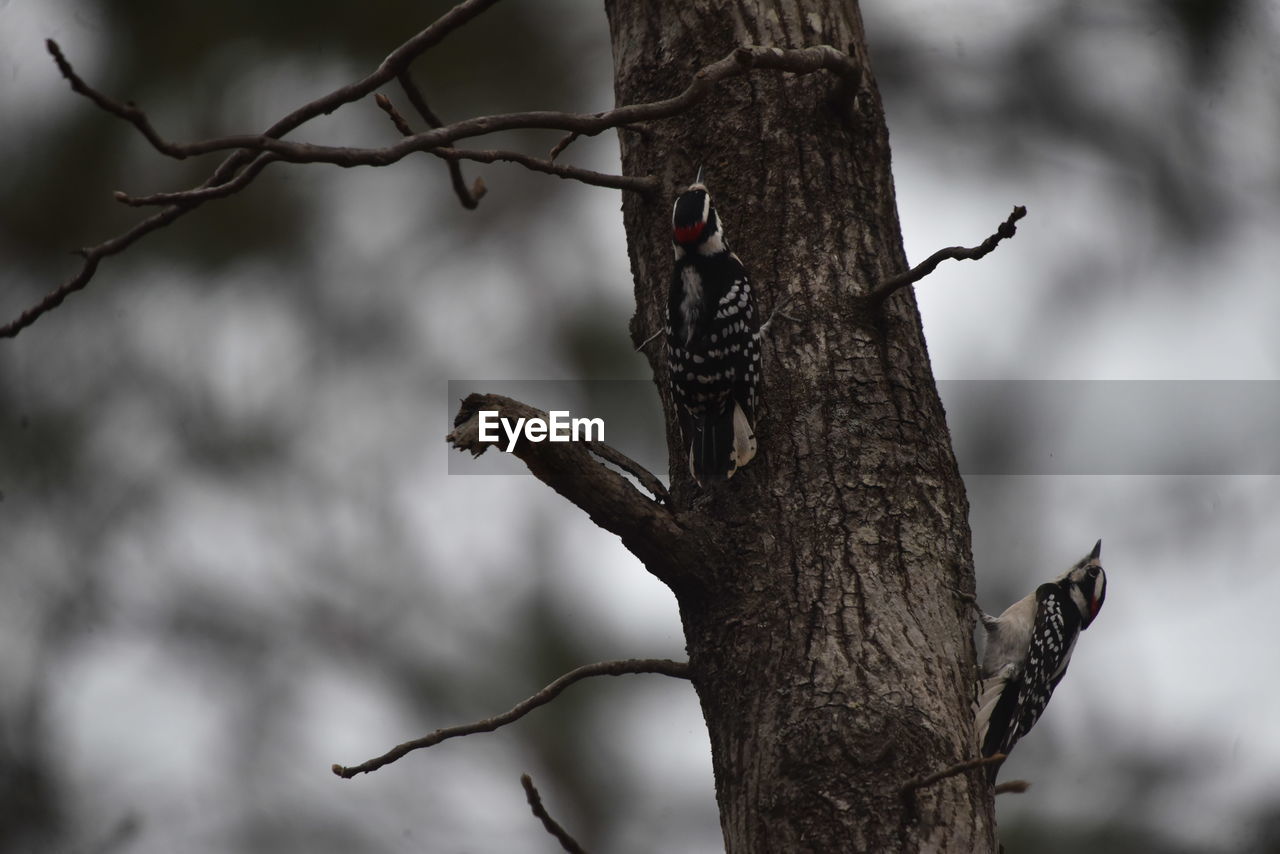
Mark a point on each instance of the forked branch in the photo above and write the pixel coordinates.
(469, 196)
(251, 153)
(739, 62)
(662, 666)
(572, 469)
(397, 61)
(639, 184)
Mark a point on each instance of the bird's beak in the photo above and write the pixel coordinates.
(1096, 554)
(698, 178)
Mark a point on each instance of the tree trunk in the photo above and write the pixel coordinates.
(831, 653)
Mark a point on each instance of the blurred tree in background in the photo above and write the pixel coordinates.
(227, 555)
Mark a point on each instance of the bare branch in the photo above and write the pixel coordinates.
(256, 151)
(127, 111)
(648, 529)
(662, 666)
(647, 479)
(644, 184)
(384, 103)
(739, 62)
(91, 255)
(646, 341)
(469, 196)
(1013, 787)
(958, 768)
(567, 842)
(391, 67)
(560, 146)
(187, 199)
(959, 253)
(572, 137)
(395, 62)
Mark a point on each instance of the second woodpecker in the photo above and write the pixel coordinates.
(1028, 649)
(712, 351)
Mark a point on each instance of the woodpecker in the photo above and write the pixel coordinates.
(1028, 649)
(712, 351)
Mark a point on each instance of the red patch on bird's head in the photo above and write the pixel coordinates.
(689, 233)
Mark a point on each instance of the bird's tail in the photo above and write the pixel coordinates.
(989, 692)
(722, 441)
(993, 714)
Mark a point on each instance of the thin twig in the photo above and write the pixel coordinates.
(639, 184)
(187, 199)
(888, 286)
(396, 61)
(560, 146)
(91, 255)
(958, 768)
(779, 310)
(1013, 787)
(663, 666)
(567, 842)
(645, 184)
(643, 343)
(647, 479)
(468, 196)
(129, 111)
(384, 104)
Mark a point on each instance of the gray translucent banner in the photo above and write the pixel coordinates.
(1033, 427)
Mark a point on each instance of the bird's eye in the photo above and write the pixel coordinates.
(1093, 571)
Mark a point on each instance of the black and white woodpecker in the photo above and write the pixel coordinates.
(712, 349)
(1028, 649)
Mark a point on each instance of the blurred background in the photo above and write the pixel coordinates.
(230, 551)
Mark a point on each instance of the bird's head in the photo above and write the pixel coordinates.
(694, 224)
(1087, 584)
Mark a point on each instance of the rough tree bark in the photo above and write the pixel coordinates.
(822, 588)
(832, 656)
